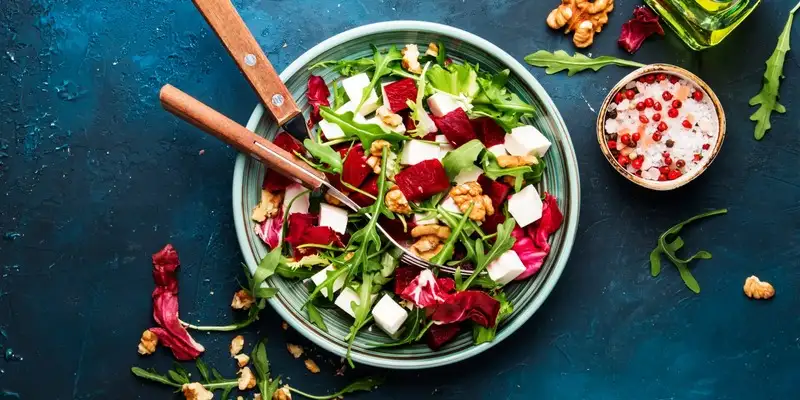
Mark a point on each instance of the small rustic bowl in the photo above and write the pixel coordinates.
(669, 70)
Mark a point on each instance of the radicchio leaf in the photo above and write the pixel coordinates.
(643, 24)
(270, 230)
(273, 181)
(469, 304)
(165, 307)
(403, 276)
(455, 126)
(317, 94)
(489, 133)
(425, 290)
(422, 180)
(532, 248)
(398, 93)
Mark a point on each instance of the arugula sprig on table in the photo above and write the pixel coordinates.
(561, 60)
(767, 98)
(669, 243)
(176, 377)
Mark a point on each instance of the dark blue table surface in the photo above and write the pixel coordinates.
(95, 177)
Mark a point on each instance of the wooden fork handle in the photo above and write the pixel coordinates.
(242, 46)
(223, 128)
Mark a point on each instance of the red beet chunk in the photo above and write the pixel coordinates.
(396, 229)
(371, 187)
(497, 191)
(355, 169)
(455, 126)
(488, 132)
(403, 276)
(489, 225)
(273, 181)
(399, 92)
(302, 231)
(289, 143)
(439, 335)
(469, 304)
(422, 180)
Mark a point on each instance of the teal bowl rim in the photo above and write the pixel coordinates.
(571, 212)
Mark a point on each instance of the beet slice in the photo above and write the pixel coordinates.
(394, 227)
(422, 180)
(455, 127)
(439, 335)
(399, 92)
(302, 231)
(403, 276)
(488, 132)
(489, 225)
(273, 181)
(469, 304)
(497, 191)
(371, 187)
(355, 169)
(289, 143)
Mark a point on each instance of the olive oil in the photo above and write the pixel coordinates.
(703, 23)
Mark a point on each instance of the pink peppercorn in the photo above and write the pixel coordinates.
(657, 106)
(667, 96)
(662, 126)
(630, 94)
(643, 119)
(697, 95)
(656, 117)
(687, 124)
(673, 113)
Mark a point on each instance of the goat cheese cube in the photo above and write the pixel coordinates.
(442, 140)
(389, 316)
(498, 150)
(525, 206)
(300, 204)
(442, 104)
(333, 217)
(524, 140)
(350, 106)
(505, 268)
(450, 205)
(346, 298)
(424, 219)
(354, 87)
(417, 151)
(383, 92)
(377, 121)
(426, 124)
(444, 146)
(320, 277)
(331, 130)
(468, 175)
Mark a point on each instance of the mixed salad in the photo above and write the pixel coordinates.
(437, 153)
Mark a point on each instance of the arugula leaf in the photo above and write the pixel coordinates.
(503, 242)
(326, 154)
(446, 253)
(315, 317)
(339, 96)
(287, 271)
(456, 79)
(482, 334)
(441, 56)
(522, 174)
(381, 62)
(266, 385)
(361, 311)
(367, 133)
(178, 376)
(346, 67)
(560, 61)
(669, 248)
(307, 261)
(154, 376)
(462, 158)
(366, 384)
(265, 269)
(767, 98)
(494, 93)
(203, 369)
(421, 123)
(508, 120)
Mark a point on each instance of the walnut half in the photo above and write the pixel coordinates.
(396, 201)
(471, 194)
(148, 342)
(757, 289)
(585, 17)
(196, 391)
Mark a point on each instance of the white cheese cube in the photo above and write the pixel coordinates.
(350, 106)
(331, 130)
(417, 151)
(442, 104)
(354, 87)
(300, 204)
(442, 140)
(389, 316)
(468, 175)
(425, 124)
(425, 219)
(320, 277)
(346, 298)
(377, 121)
(525, 206)
(383, 92)
(450, 205)
(505, 268)
(333, 217)
(524, 140)
(498, 150)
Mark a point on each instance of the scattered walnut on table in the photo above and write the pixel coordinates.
(312, 366)
(196, 391)
(237, 343)
(396, 201)
(471, 194)
(247, 380)
(757, 289)
(242, 359)
(411, 59)
(242, 300)
(268, 206)
(148, 342)
(282, 393)
(295, 350)
(585, 17)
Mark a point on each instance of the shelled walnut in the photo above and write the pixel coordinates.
(584, 17)
(757, 289)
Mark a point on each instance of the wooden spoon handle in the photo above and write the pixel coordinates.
(223, 128)
(242, 46)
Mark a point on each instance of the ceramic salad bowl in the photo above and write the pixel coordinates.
(560, 179)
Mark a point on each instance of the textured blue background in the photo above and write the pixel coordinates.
(96, 177)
